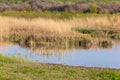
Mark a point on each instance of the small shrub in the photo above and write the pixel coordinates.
(93, 8)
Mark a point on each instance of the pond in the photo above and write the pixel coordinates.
(93, 57)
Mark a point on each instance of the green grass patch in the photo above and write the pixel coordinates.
(84, 31)
(11, 59)
(45, 14)
(101, 33)
(53, 15)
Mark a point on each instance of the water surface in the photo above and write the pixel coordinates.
(105, 58)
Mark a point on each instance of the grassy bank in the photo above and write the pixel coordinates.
(13, 69)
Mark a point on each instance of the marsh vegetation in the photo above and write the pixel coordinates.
(86, 26)
(88, 31)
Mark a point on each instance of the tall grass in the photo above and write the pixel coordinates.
(60, 26)
(45, 30)
(63, 27)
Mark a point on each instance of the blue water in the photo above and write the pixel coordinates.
(104, 58)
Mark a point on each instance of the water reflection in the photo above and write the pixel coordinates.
(93, 57)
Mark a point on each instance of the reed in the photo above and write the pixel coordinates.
(60, 26)
(42, 30)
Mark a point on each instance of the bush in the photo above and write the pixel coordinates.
(39, 5)
(4, 7)
(93, 8)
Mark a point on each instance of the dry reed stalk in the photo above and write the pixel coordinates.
(43, 26)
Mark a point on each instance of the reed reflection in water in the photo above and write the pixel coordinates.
(93, 57)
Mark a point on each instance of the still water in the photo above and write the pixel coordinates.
(105, 58)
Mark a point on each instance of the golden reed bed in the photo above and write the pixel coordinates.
(62, 27)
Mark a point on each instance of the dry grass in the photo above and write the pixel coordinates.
(46, 27)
